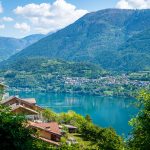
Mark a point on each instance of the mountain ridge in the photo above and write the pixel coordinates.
(98, 38)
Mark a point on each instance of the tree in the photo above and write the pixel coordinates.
(140, 138)
(104, 138)
(49, 115)
(1, 90)
(109, 140)
(88, 118)
(15, 135)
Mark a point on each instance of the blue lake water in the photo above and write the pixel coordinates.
(105, 111)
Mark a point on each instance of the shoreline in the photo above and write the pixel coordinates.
(72, 93)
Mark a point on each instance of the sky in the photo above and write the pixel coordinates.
(19, 18)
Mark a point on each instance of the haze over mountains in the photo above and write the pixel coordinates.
(10, 46)
(113, 38)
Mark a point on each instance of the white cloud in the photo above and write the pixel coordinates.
(33, 10)
(1, 8)
(133, 4)
(23, 27)
(42, 30)
(7, 19)
(48, 17)
(2, 26)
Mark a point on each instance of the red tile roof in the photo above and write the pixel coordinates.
(52, 127)
(4, 102)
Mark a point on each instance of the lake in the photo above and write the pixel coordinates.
(105, 111)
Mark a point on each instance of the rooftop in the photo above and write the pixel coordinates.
(23, 109)
(70, 126)
(29, 101)
(52, 127)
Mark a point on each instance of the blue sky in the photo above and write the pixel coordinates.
(91, 5)
(19, 18)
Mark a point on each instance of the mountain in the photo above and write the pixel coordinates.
(9, 46)
(115, 39)
(136, 52)
(33, 38)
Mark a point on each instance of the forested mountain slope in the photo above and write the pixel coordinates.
(113, 38)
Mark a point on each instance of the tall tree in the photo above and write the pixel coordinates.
(49, 115)
(88, 118)
(1, 90)
(140, 138)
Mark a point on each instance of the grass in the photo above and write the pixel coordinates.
(84, 144)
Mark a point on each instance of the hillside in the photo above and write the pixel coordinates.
(51, 75)
(108, 37)
(40, 73)
(10, 46)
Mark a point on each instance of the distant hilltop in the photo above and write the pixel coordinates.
(10, 46)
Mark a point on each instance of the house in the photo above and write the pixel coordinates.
(26, 107)
(48, 132)
(71, 129)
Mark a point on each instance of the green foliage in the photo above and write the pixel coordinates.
(41, 145)
(105, 138)
(55, 68)
(110, 140)
(71, 118)
(88, 118)
(64, 146)
(140, 138)
(49, 115)
(14, 133)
